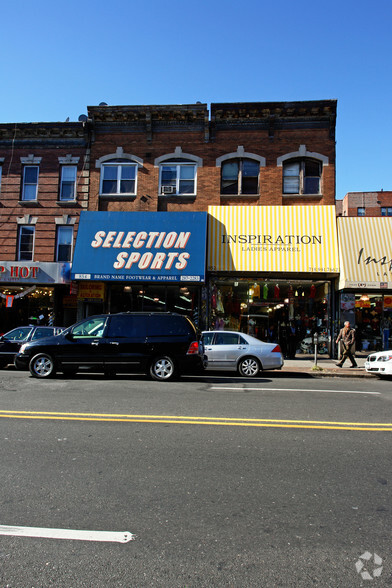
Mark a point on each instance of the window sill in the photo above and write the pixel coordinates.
(67, 203)
(117, 196)
(29, 203)
(242, 196)
(178, 197)
(302, 196)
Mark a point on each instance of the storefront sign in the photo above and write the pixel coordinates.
(273, 238)
(34, 272)
(141, 246)
(365, 247)
(91, 290)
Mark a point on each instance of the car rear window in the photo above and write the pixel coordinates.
(226, 339)
(42, 332)
(169, 325)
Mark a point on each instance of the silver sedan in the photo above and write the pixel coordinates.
(230, 350)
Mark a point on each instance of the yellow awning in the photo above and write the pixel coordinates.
(300, 239)
(365, 249)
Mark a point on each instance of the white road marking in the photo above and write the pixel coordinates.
(294, 390)
(44, 533)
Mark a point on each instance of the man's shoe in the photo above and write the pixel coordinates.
(339, 365)
(354, 366)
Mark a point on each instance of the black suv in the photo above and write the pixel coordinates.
(161, 344)
(11, 342)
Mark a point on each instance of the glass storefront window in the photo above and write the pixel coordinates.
(368, 318)
(274, 311)
(180, 298)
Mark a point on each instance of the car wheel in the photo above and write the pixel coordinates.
(249, 367)
(42, 366)
(162, 368)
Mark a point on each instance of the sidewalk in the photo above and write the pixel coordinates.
(325, 367)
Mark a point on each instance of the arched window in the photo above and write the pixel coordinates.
(178, 173)
(302, 171)
(240, 172)
(118, 173)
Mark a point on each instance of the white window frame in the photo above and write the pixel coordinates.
(30, 183)
(119, 165)
(178, 165)
(118, 158)
(20, 230)
(63, 182)
(59, 228)
(178, 158)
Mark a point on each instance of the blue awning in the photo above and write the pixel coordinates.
(141, 246)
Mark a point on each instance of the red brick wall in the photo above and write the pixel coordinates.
(47, 207)
(208, 176)
(371, 201)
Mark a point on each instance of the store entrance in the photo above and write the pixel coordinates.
(278, 311)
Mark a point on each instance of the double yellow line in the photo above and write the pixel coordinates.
(195, 420)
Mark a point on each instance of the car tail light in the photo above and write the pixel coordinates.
(277, 349)
(193, 348)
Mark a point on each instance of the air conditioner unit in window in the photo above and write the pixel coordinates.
(168, 189)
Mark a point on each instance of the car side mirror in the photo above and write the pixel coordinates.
(69, 336)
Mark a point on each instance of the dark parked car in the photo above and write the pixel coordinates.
(161, 344)
(11, 342)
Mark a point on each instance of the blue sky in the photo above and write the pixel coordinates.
(60, 58)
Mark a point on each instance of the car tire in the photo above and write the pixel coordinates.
(42, 366)
(162, 368)
(3, 364)
(249, 367)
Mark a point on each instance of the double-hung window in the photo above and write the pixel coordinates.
(68, 183)
(386, 211)
(26, 235)
(30, 182)
(302, 177)
(64, 240)
(240, 176)
(118, 178)
(361, 211)
(178, 177)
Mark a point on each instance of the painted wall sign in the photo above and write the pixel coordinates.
(141, 246)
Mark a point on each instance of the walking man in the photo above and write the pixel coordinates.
(347, 336)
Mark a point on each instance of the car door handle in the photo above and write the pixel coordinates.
(208, 348)
(114, 343)
(94, 342)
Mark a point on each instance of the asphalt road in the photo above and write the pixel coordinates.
(222, 481)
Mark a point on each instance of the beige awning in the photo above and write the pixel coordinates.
(365, 250)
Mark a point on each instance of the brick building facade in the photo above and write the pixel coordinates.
(261, 136)
(44, 186)
(365, 204)
(146, 159)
